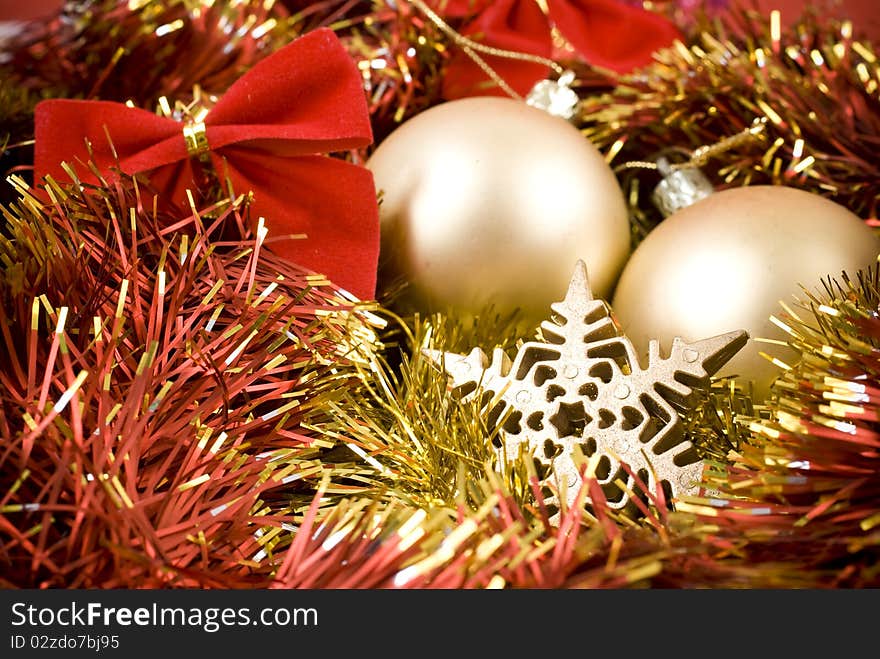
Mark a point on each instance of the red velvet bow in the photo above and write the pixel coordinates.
(606, 33)
(264, 134)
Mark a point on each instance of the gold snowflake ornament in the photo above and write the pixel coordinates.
(585, 386)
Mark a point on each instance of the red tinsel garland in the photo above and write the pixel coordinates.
(150, 374)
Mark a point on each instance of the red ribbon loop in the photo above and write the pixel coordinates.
(265, 134)
(605, 33)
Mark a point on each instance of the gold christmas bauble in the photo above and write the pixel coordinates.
(725, 263)
(489, 201)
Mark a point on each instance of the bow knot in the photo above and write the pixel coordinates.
(269, 135)
(195, 135)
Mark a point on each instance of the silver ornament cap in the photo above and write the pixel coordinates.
(679, 188)
(555, 96)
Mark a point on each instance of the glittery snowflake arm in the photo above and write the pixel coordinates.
(472, 372)
(579, 317)
(689, 365)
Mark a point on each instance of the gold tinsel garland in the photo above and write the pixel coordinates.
(814, 85)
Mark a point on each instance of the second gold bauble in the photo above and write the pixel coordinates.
(727, 261)
(490, 201)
